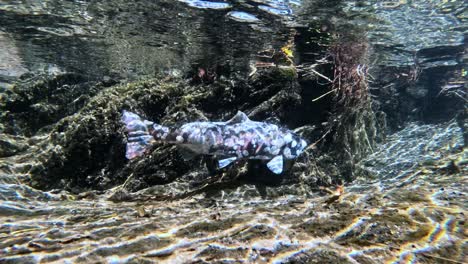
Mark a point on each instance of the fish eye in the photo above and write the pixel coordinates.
(293, 144)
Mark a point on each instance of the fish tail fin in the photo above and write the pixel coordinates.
(139, 137)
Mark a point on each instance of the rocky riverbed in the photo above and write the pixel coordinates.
(413, 214)
(406, 204)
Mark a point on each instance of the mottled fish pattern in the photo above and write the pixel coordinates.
(238, 138)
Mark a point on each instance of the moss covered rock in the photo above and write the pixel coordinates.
(84, 149)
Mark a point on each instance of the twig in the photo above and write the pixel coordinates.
(321, 75)
(460, 96)
(320, 139)
(323, 95)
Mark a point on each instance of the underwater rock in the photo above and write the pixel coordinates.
(319, 254)
(418, 93)
(50, 98)
(11, 145)
(85, 150)
(413, 145)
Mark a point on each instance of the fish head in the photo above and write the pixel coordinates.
(291, 145)
(295, 147)
(301, 146)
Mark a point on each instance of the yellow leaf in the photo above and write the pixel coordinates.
(288, 50)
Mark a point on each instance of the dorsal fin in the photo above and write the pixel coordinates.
(238, 118)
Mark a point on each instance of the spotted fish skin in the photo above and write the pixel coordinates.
(238, 138)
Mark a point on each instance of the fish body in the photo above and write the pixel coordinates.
(237, 138)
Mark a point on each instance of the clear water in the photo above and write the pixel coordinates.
(141, 38)
(136, 38)
(413, 211)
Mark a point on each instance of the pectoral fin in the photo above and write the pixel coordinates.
(225, 162)
(276, 164)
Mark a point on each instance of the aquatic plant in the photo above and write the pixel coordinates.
(351, 130)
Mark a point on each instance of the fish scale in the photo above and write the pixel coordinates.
(237, 138)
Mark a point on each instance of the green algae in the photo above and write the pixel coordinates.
(286, 73)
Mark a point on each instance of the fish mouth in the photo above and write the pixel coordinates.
(303, 146)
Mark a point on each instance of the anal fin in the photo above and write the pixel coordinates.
(223, 163)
